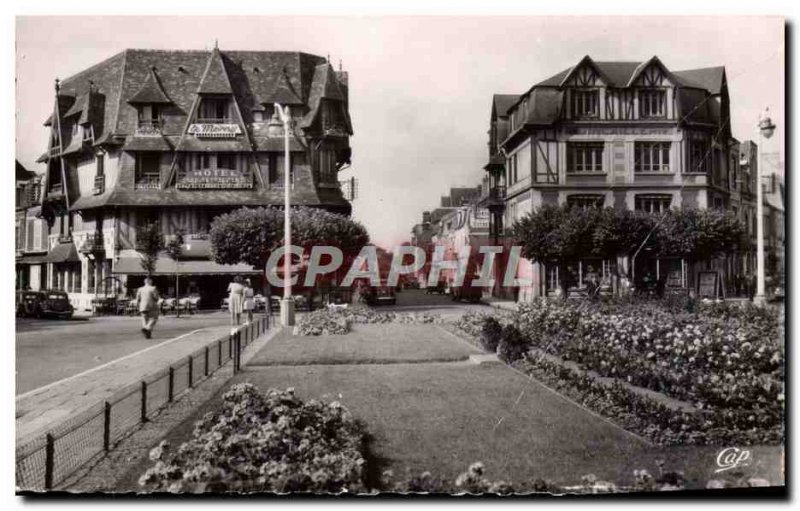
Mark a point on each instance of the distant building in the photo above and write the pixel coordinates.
(176, 138)
(628, 135)
(455, 222)
(30, 238)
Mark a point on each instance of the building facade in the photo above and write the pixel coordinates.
(175, 138)
(627, 135)
(31, 231)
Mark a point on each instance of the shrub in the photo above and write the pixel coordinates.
(265, 442)
(512, 345)
(491, 331)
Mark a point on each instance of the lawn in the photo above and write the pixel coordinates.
(366, 344)
(443, 416)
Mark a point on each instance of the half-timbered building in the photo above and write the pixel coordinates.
(176, 138)
(632, 135)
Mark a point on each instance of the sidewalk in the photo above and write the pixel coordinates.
(500, 303)
(40, 410)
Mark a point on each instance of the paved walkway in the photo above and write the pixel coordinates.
(41, 409)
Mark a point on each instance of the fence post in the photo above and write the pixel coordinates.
(144, 401)
(49, 461)
(171, 380)
(107, 426)
(191, 370)
(236, 341)
(219, 353)
(230, 346)
(205, 370)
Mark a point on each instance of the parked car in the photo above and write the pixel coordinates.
(467, 291)
(439, 289)
(44, 304)
(339, 299)
(379, 295)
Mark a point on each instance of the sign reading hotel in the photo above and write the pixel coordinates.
(214, 130)
(214, 179)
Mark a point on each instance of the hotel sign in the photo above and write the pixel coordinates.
(214, 130)
(215, 179)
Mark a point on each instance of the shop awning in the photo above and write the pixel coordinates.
(63, 253)
(32, 259)
(166, 266)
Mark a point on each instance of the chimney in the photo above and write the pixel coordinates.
(426, 217)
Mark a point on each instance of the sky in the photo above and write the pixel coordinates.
(420, 87)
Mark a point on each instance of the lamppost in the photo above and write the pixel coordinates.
(287, 304)
(765, 130)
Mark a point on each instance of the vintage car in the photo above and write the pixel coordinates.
(44, 304)
(380, 295)
(339, 299)
(467, 291)
(439, 289)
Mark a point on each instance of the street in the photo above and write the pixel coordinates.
(50, 350)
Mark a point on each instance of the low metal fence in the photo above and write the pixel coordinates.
(48, 460)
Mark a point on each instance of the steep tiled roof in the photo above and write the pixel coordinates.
(709, 78)
(253, 77)
(502, 102)
(151, 91)
(694, 87)
(21, 172)
(282, 92)
(546, 106)
(105, 78)
(215, 79)
(152, 143)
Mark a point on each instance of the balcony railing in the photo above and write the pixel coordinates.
(54, 151)
(497, 192)
(65, 238)
(148, 183)
(56, 189)
(93, 243)
(148, 127)
(99, 185)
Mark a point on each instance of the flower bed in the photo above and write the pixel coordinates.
(725, 360)
(651, 419)
(338, 321)
(475, 481)
(322, 322)
(265, 442)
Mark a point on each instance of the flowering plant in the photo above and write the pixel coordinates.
(265, 442)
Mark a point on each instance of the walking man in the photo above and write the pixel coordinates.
(147, 300)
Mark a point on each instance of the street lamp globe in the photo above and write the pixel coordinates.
(766, 125)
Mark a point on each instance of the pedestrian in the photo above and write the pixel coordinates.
(249, 300)
(147, 300)
(235, 300)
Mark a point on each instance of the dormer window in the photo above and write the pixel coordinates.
(258, 116)
(149, 119)
(585, 103)
(214, 110)
(652, 103)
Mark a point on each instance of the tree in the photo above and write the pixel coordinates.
(701, 234)
(559, 234)
(249, 235)
(174, 249)
(622, 232)
(150, 243)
